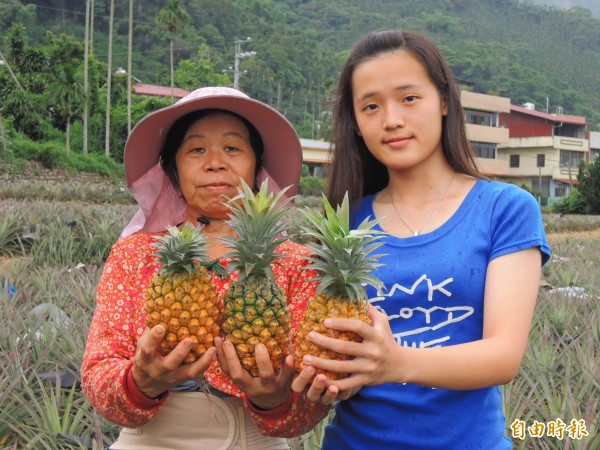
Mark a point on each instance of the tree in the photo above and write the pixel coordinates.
(129, 68)
(109, 78)
(200, 71)
(168, 18)
(589, 185)
(67, 96)
(86, 112)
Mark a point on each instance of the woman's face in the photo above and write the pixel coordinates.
(214, 157)
(398, 110)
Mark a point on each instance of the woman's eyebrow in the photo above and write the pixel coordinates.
(402, 87)
(201, 136)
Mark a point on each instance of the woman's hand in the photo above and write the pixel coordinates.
(375, 359)
(267, 391)
(318, 389)
(154, 374)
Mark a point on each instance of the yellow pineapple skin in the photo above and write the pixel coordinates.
(256, 313)
(317, 310)
(186, 305)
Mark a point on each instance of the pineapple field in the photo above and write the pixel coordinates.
(54, 240)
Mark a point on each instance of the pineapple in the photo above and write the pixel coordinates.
(255, 307)
(343, 262)
(181, 295)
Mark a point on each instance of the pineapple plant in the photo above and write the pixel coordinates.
(255, 307)
(181, 295)
(343, 261)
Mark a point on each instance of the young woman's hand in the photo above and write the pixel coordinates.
(318, 389)
(154, 374)
(267, 391)
(375, 358)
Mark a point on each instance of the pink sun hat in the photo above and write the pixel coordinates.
(160, 203)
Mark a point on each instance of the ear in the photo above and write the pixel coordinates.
(444, 106)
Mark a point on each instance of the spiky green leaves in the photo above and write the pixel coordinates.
(342, 257)
(257, 220)
(179, 250)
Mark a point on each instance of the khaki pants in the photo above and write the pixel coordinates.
(195, 421)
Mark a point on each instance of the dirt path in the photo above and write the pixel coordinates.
(558, 238)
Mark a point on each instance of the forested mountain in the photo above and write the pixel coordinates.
(529, 53)
(592, 5)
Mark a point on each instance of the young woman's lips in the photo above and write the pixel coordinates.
(399, 142)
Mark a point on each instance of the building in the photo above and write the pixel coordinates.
(482, 117)
(594, 138)
(544, 150)
(316, 156)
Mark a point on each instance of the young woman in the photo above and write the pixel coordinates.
(462, 265)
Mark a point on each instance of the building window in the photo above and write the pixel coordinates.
(484, 150)
(488, 119)
(594, 152)
(570, 158)
(315, 170)
(568, 130)
(560, 192)
(541, 160)
(514, 160)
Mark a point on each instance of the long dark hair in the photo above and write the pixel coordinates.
(354, 169)
(177, 132)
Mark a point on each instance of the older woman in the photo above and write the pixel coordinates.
(180, 162)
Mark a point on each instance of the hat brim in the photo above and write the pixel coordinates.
(282, 157)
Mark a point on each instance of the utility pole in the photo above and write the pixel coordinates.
(12, 74)
(239, 55)
(4, 63)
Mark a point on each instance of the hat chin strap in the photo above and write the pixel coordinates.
(203, 220)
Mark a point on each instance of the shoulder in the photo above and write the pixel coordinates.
(137, 239)
(501, 193)
(497, 188)
(134, 245)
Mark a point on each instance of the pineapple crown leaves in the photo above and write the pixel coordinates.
(179, 251)
(342, 257)
(258, 222)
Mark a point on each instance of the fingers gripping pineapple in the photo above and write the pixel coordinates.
(343, 261)
(181, 295)
(255, 307)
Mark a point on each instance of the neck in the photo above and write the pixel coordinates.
(419, 188)
(214, 229)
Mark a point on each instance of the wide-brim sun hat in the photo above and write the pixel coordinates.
(160, 204)
(282, 158)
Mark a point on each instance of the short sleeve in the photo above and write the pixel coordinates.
(516, 224)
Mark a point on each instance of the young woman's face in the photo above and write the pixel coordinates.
(214, 156)
(398, 110)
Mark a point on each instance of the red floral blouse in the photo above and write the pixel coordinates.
(119, 321)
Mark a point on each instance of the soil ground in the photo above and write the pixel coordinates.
(557, 238)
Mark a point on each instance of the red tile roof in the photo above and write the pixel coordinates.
(575, 120)
(159, 91)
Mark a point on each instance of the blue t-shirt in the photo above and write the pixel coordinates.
(433, 296)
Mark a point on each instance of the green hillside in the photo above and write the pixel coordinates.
(592, 5)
